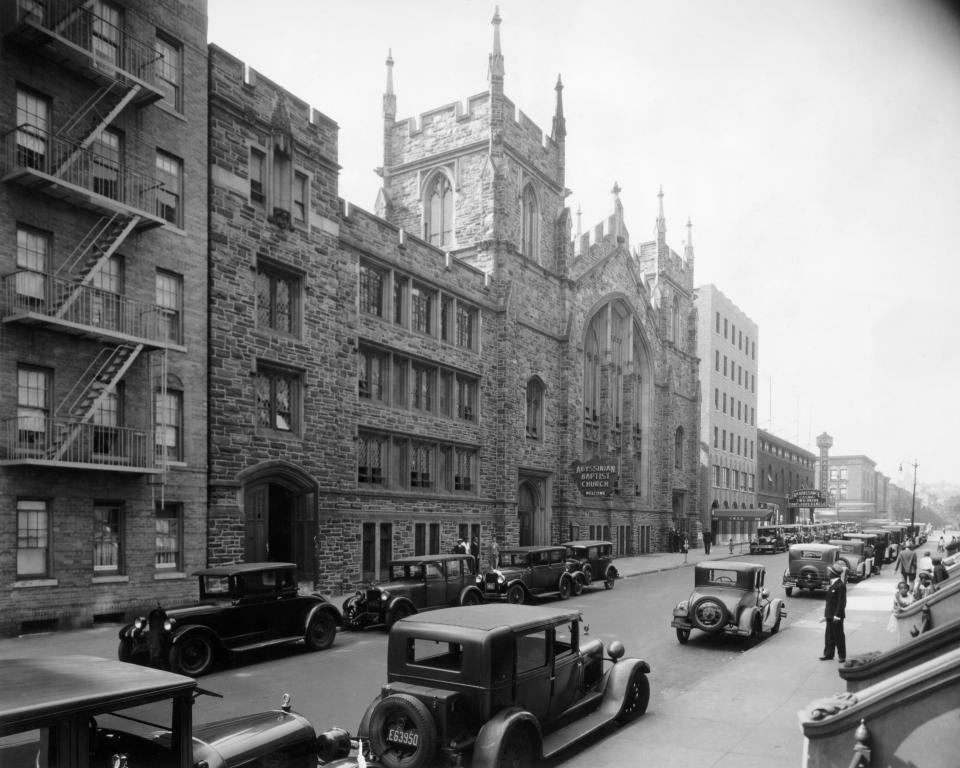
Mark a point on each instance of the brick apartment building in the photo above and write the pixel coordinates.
(103, 341)
(381, 385)
(783, 467)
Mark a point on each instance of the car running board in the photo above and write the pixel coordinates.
(572, 733)
(264, 643)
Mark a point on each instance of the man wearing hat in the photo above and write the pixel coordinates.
(834, 612)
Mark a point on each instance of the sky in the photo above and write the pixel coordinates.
(814, 145)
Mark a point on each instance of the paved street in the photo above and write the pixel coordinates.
(741, 703)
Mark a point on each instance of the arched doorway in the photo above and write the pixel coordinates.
(528, 507)
(280, 517)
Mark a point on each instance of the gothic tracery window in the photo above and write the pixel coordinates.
(530, 218)
(438, 212)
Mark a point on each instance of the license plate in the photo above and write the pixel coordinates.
(490, 587)
(403, 737)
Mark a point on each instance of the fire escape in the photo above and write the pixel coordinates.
(75, 165)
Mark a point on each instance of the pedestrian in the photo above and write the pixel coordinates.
(925, 564)
(707, 541)
(493, 553)
(907, 565)
(940, 544)
(685, 546)
(901, 599)
(924, 586)
(460, 548)
(940, 572)
(834, 612)
(475, 550)
(672, 538)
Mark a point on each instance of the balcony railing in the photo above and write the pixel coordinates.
(58, 301)
(43, 440)
(87, 40)
(37, 158)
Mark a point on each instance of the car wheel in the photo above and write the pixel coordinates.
(402, 732)
(609, 579)
(321, 631)
(516, 595)
(192, 656)
(401, 611)
(587, 574)
(577, 587)
(471, 598)
(708, 614)
(683, 635)
(756, 630)
(129, 653)
(516, 748)
(636, 698)
(776, 625)
(565, 587)
(788, 590)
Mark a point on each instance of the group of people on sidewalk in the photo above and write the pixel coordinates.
(920, 576)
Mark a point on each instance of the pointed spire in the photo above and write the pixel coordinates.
(281, 128)
(496, 58)
(661, 219)
(559, 122)
(389, 98)
(688, 248)
(579, 217)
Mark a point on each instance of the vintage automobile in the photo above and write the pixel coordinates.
(84, 711)
(415, 584)
(528, 571)
(807, 566)
(769, 538)
(242, 607)
(886, 550)
(498, 685)
(872, 548)
(592, 560)
(857, 557)
(728, 598)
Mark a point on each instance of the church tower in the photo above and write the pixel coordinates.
(477, 178)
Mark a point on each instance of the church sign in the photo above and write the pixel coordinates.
(595, 478)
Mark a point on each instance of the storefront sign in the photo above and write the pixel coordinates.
(595, 478)
(808, 497)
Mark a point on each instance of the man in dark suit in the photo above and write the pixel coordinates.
(834, 612)
(907, 565)
(707, 541)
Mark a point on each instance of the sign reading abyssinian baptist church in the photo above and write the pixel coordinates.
(595, 478)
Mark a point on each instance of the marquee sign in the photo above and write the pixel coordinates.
(809, 497)
(595, 478)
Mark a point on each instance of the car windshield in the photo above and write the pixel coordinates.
(406, 572)
(216, 585)
(767, 532)
(513, 558)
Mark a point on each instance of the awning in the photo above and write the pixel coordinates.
(750, 515)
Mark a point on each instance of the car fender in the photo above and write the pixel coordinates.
(323, 608)
(616, 682)
(774, 609)
(467, 590)
(401, 600)
(179, 634)
(487, 745)
(521, 582)
(746, 619)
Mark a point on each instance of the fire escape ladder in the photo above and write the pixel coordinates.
(99, 380)
(100, 120)
(91, 253)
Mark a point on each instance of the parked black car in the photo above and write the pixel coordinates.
(528, 571)
(415, 584)
(84, 711)
(242, 607)
(498, 685)
(593, 560)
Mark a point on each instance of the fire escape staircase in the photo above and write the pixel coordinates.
(90, 254)
(84, 399)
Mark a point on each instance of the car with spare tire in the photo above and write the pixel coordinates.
(496, 685)
(728, 598)
(242, 607)
(808, 567)
(532, 571)
(414, 584)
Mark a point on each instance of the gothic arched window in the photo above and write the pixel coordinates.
(678, 448)
(530, 217)
(535, 409)
(438, 211)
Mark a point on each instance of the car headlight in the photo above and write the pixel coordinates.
(501, 579)
(140, 622)
(385, 595)
(169, 624)
(682, 606)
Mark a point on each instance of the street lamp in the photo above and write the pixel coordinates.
(913, 501)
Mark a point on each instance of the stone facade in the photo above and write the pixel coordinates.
(105, 315)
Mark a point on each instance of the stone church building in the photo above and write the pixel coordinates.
(384, 384)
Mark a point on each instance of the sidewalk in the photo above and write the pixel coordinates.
(745, 715)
